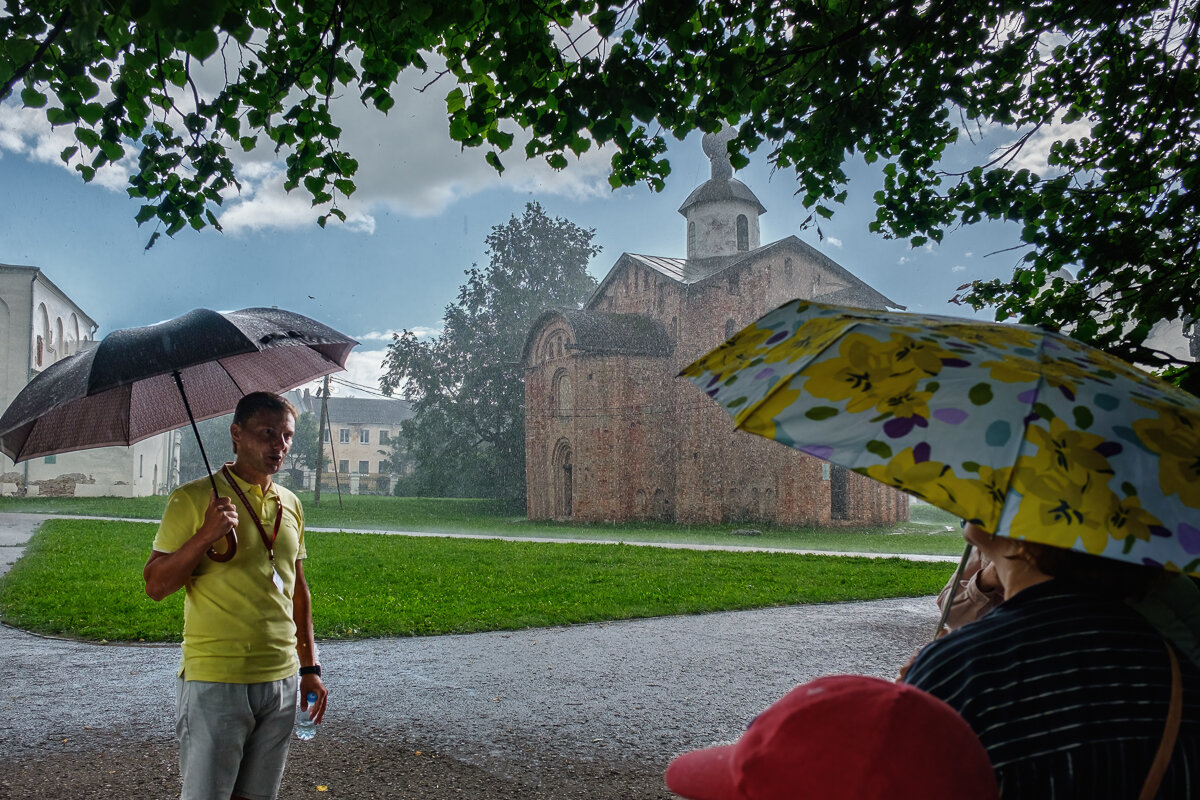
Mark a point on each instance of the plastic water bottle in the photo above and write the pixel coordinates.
(306, 729)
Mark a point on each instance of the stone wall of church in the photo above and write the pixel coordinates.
(618, 438)
(601, 453)
(729, 476)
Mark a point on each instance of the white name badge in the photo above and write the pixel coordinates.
(278, 580)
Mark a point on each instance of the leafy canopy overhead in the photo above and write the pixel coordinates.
(1113, 83)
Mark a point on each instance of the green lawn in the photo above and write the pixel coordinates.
(930, 530)
(82, 578)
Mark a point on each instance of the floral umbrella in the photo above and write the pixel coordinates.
(1024, 431)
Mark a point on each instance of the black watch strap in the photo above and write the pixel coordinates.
(315, 669)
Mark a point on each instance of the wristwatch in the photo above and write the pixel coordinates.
(315, 669)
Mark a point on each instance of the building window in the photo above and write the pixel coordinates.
(343, 465)
(560, 391)
(384, 437)
(735, 283)
(691, 245)
(787, 268)
(364, 467)
(743, 232)
(729, 329)
(344, 436)
(662, 298)
(141, 465)
(51, 459)
(327, 434)
(364, 436)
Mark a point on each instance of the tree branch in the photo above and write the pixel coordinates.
(23, 70)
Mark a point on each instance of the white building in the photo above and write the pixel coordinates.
(358, 440)
(40, 324)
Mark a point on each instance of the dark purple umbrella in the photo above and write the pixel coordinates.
(132, 384)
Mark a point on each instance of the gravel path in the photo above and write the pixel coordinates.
(589, 710)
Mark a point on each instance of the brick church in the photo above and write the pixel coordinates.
(612, 435)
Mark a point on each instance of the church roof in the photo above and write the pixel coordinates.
(697, 270)
(604, 333)
(718, 189)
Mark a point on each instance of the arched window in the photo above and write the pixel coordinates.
(43, 337)
(560, 391)
(743, 232)
(562, 481)
(691, 247)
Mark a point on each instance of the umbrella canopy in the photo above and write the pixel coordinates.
(1024, 431)
(125, 389)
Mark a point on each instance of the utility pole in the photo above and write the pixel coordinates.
(321, 443)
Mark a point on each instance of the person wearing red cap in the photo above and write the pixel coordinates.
(844, 737)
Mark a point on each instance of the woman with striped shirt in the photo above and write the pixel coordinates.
(1067, 686)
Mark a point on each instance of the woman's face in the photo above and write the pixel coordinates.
(977, 535)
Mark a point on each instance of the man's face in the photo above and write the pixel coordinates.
(263, 441)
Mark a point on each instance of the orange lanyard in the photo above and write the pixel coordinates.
(268, 543)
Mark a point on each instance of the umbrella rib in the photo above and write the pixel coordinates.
(1025, 422)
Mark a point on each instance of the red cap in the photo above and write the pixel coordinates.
(844, 738)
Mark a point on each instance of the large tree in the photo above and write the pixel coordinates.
(218, 448)
(1111, 83)
(467, 434)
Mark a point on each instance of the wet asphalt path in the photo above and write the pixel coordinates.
(646, 688)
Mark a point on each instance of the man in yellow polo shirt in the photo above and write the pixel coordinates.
(247, 631)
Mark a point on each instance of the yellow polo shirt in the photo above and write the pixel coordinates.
(237, 625)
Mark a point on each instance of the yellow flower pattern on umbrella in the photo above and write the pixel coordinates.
(1066, 450)
(1176, 440)
(912, 473)
(1022, 429)
(1061, 509)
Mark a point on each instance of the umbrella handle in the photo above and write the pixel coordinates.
(231, 537)
(962, 564)
(230, 548)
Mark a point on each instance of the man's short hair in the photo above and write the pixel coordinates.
(255, 402)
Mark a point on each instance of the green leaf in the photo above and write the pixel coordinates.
(203, 44)
(32, 98)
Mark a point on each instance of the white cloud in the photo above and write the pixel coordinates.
(959, 268)
(1035, 154)
(422, 332)
(263, 204)
(833, 241)
(407, 163)
(25, 131)
(904, 260)
(363, 368)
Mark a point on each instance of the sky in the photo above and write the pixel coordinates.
(416, 224)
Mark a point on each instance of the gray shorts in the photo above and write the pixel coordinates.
(233, 738)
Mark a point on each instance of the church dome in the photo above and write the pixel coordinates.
(722, 213)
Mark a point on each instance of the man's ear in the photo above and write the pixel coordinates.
(235, 431)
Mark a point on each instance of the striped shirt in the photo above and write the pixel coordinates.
(1068, 692)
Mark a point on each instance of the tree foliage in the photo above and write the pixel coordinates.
(893, 81)
(467, 434)
(303, 454)
(218, 447)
